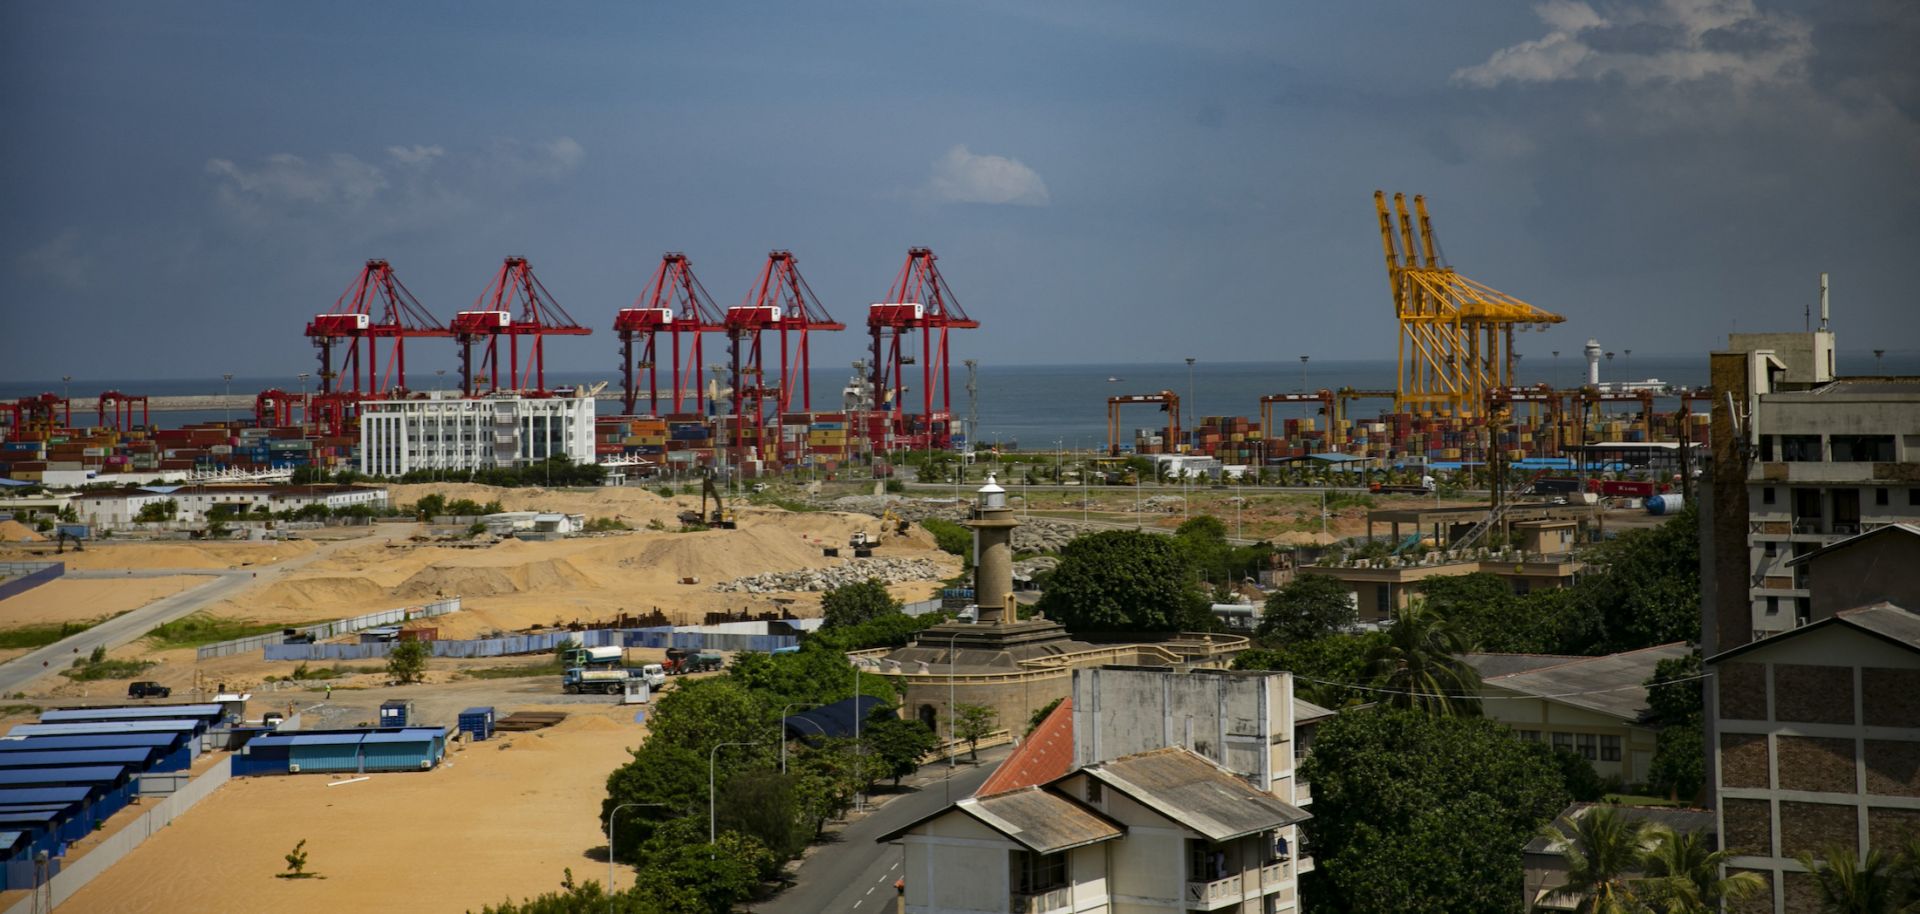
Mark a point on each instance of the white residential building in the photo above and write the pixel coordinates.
(449, 432)
(118, 507)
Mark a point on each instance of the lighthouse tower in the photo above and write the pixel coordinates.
(993, 522)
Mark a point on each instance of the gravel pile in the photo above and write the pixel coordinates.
(1033, 534)
(816, 580)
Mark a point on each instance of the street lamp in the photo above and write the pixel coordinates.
(783, 732)
(1303, 374)
(226, 405)
(1628, 368)
(610, 818)
(713, 755)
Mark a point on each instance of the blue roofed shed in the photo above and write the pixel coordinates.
(207, 712)
(412, 749)
(110, 726)
(137, 757)
(166, 741)
(834, 720)
(323, 752)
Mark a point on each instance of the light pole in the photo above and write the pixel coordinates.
(610, 818)
(952, 762)
(1193, 406)
(713, 755)
(226, 406)
(1628, 367)
(783, 731)
(1303, 378)
(859, 757)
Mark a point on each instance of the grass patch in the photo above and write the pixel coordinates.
(525, 671)
(92, 670)
(203, 628)
(12, 710)
(32, 636)
(302, 672)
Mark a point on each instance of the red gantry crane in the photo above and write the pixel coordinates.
(35, 417)
(121, 406)
(918, 300)
(1169, 403)
(675, 303)
(376, 305)
(780, 300)
(514, 288)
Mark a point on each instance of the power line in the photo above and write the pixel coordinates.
(1445, 694)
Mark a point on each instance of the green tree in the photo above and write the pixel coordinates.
(431, 505)
(951, 537)
(689, 876)
(1676, 705)
(1421, 814)
(973, 723)
(857, 603)
(157, 511)
(1647, 589)
(1420, 667)
(1310, 606)
(1484, 609)
(897, 744)
(760, 802)
(1583, 783)
(297, 861)
(1602, 851)
(1683, 873)
(1846, 883)
(1325, 669)
(407, 662)
(1040, 715)
(1123, 581)
(587, 898)
(1203, 538)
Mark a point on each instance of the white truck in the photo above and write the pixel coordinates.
(580, 679)
(654, 674)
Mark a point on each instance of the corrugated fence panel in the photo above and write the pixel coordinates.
(333, 629)
(655, 638)
(31, 575)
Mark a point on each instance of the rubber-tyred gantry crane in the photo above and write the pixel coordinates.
(1456, 335)
(514, 305)
(781, 301)
(375, 306)
(674, 303)
(918, 300)
(119, 407)
(35, 417)
(1169, 403)
(273, 408)
(1269, 430)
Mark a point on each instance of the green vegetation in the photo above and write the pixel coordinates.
(301, 672)
(606, 525)
(854, 604)
(1419, 665)
(43, 634)
(553, 472)
(1676, 704)
(203, 628)
(1423, 814)
(157, 511)
(1040, 715)
(951, 537)
(522, 671)
(18, 710)
(1309, 606)
(973, 723)
(1125, 581)
(99, 667)
(407, 662)
(1617, 865)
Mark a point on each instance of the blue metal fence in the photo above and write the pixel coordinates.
(543, 643)
(31, 575)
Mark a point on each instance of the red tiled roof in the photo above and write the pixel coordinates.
(1046, 755)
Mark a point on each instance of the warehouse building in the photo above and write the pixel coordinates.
(112, 508)
(343, 751)
(445, 431)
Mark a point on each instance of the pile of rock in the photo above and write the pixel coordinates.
(1033, 535)
(816, 580)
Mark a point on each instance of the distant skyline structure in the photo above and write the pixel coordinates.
(1097, 178)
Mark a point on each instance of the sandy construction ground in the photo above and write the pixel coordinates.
(130, 553)
(501, 821)
(79, 599)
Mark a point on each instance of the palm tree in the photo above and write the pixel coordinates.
(1602, 851)
(1848, 884)
(1420, 666)
(1683, 874)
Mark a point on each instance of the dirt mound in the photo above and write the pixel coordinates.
(319, 592)
(447, 579)
(13, 531)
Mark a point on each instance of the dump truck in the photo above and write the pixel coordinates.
(680, 660)
(580, 679)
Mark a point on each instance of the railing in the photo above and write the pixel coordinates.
(1219, 891)
(1040, 902)
(1806, 525)
(1273, 873)
(331, 629)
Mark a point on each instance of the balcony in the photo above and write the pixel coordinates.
(1060, 899)
(1273, 874)
(1209, 896)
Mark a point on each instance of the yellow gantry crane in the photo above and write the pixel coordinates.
(1456, 335)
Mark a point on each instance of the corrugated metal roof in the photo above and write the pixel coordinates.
(309, 739)
(1044, 821)
(67, 795)
(1886, 620)
(19, 816)
(108, 726)
(1850, 541)
(1614, 685)
(146, 712)
(1046, 754)
(1306, 712)
(134, 756)
(89, 741)
(409, 735)
(830, 720)
(89, 774)
(1195, 793)
(1491, 665)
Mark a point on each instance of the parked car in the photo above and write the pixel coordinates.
(147, 689)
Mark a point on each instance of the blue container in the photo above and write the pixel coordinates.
(478, 722)
(395, 713)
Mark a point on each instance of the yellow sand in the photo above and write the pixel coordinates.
(77, 599)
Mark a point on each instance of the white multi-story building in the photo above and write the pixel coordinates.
(449, 432)
(118, 507)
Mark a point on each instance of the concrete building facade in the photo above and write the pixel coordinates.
(444, 431)
(118, 507)
(1817, 745)
(1594, 706)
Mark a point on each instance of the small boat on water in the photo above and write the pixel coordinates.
(1114, 380)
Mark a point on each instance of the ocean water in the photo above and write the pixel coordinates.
(1041, 406)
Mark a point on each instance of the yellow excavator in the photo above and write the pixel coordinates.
(719, 515)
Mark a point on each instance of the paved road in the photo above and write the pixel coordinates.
(15, 674)
(854, 874)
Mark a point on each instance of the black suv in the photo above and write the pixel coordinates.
(148, 690)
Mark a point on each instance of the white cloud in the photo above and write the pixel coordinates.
(415, 155)
(339, 179)
(963, 177)
(1668, 41)
(61, 259)
(540, 158)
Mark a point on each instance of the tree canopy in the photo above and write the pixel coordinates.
(1309, 606)
(1422, 814)
(1124, 581)
(857, 603)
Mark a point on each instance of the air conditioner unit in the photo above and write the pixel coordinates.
(292, 768)
(426, 764)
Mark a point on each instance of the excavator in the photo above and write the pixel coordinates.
(719, 516)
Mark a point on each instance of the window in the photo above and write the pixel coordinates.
(1589, 746)
(1562, 741)
(1773, 606)
(1528, 736)
(1863, 448)
(1766, 495)
(1913, 498)
(1880, 495)
(1039, 873)
(1766, 448)
(1800, 448)
(1609, 748)
(1205, 862)
(1772, 548)
(1382, 601)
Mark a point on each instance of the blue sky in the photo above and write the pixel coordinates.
(186, 184)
